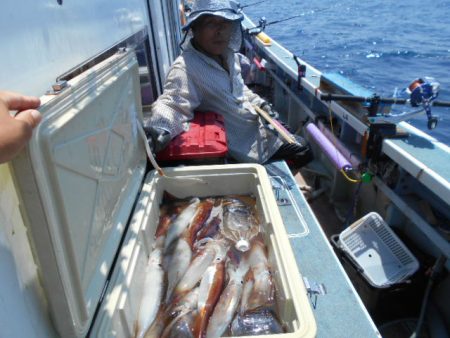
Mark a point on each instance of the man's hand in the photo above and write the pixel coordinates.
(15, 131)
(267, 107)
(157, 138)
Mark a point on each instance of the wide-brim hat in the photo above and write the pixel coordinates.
(229, 10)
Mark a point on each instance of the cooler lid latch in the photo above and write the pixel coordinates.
(314, 289)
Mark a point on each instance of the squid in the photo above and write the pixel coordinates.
(153, 289)
(212, 224)
(260, 322)
(203, 259)
(181, 223)
(182, 253)
(229, 299)
(259, 288)
(181, 326)
(210, 289)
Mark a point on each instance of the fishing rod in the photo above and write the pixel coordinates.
(262, 24)
(423, 94)
(252, 4)
(376, 99)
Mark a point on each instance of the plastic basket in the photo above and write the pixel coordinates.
(377, 251)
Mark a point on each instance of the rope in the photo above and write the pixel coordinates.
(348, 178)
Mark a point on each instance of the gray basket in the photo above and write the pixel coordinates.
(381, 256)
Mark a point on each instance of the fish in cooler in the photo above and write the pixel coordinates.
(258, 289)
(211, 287)
(226, 307)
(181, 254)
(153, 290)
(213, 223)
(181, 223)
(255, 323)
(214, 283)
(200, 263)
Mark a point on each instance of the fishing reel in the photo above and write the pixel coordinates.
(423, 93)
(262, 23)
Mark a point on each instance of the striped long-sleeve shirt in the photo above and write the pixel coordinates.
(197, 82)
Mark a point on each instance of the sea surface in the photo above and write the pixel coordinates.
(382, 45)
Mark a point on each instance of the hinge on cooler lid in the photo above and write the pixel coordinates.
(58, 87)
(314, 289)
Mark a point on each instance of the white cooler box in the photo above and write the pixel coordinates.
(81, 184)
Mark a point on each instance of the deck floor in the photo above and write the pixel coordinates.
(320, 205)
(340, 312)
(383, 305)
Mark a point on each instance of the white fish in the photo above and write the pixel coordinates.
(181, 222)
(152, 294)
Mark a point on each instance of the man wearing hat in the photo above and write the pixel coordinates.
(207, 77)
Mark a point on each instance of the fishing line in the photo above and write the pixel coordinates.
(155, 164)
(252, 4)
(149, 151)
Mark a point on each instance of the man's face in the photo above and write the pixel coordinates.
(212, 34)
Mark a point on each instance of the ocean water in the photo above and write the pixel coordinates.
(381, 45)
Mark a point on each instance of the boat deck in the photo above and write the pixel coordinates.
(419, 154)
(340, 312)
(424, 158)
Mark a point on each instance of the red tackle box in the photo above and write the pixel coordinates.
(204, 139)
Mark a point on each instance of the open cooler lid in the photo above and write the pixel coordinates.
(79, 180)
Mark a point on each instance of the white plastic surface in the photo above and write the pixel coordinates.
(79, 185)
(116, 317)
(377, 250)
(41, 40)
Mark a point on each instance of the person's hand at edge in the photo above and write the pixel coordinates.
(15, 131)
